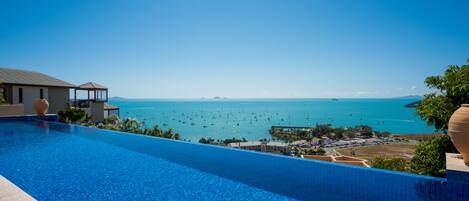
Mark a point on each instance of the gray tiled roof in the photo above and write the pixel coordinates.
(24, 77)
(110, 107)
(91, 85)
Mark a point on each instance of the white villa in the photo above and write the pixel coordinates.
(20, 88)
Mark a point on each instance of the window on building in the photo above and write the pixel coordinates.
(2, 94)
(20, 95)
(41, 93)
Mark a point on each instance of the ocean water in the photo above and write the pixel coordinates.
(252, 118)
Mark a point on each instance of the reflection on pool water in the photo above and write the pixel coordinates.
(53, 161)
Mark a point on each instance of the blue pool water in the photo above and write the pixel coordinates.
(53, 161)
(251, 118)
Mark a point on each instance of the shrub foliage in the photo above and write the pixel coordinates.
(78, 116)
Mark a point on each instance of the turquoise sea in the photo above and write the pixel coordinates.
(251, 118)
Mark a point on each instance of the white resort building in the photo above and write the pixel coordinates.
(93, 98)
(19, 88)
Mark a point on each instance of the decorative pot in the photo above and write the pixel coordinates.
(458, 129)
(41, 106)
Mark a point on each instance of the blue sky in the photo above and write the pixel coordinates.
(238, 49)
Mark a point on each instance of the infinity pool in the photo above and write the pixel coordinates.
(53, 161)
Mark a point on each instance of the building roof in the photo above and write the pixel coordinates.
(256, 143)
(91, 85)
(244, 144)
(277, 144)
(107, 106)
(24, 77)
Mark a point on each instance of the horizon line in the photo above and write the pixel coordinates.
(234, 98)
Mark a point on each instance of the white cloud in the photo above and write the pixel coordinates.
(413, 88)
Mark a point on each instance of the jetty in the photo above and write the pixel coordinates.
(288, 128)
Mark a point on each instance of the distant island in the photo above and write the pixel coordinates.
(116, 98)
(410, 97)
(413, 104)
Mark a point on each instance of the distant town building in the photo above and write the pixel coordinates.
(274, 147)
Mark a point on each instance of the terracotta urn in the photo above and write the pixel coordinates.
(458, 130)
(41, 106)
